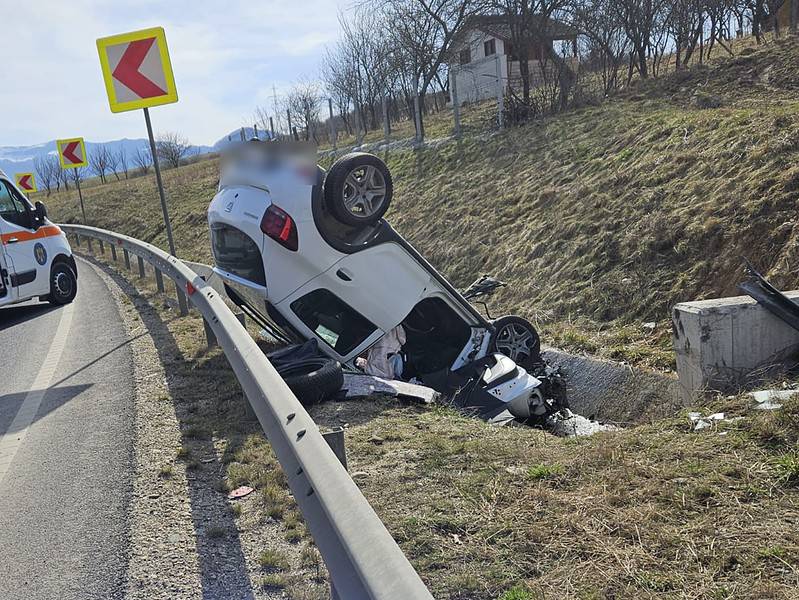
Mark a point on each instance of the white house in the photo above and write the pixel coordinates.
(483, 52)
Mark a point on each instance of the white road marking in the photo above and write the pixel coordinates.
(11, 441)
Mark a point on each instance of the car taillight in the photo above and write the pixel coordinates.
(278, 225)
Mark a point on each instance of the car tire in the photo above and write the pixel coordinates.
(63, 285)
(516, 338)
(313, 380)
(358, 189)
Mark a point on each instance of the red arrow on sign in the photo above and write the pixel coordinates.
(69, 153)
(25, 182)
(127, 71)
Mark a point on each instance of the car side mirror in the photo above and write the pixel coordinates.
(40, 212)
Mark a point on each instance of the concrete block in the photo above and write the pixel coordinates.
(728, 344)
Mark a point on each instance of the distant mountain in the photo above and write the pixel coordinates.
(235, 136)
(19, 159)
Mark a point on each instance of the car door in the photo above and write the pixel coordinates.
(362, 296)
(25, 255)
(7, 293)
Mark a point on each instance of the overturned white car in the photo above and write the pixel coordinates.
(309, 256)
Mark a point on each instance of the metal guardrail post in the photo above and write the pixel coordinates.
(210, 338)
(182, 304)
(126, 254)
(364, 561)
(113, 252)
(77, 240)
(335, 439)
(102, 248)
(89, 242)
(159, 280)
(141, 267)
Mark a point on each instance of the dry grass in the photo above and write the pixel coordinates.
(600, 219)
(514, 513)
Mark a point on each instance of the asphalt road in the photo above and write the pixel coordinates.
(66, 447)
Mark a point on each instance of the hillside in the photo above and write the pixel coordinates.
(600, 219)
(606, 214)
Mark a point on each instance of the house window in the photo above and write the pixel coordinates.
(465, 56)
(490, 47)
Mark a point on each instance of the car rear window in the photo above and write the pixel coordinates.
(237, 253)
(337, 324)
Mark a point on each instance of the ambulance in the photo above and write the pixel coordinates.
(35, 257)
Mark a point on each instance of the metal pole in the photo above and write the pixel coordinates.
(456, 107)
(159, 280)
(80, 195)
(417, 119)
(500, 94)
(160, 183)
(127, 258)
(332, 124)
(141, 267)
(210, 337)
(272, 126)
(335, 439)
(288, 116)
(386, 124)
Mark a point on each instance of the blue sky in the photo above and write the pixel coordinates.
(226, 55)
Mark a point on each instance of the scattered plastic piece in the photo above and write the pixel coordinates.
(240, 492)
(767, 399)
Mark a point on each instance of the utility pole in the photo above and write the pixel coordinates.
(332, 124)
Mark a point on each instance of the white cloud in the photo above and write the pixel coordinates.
(226, 56)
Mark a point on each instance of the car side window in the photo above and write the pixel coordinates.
(12, 207)
(337, 324)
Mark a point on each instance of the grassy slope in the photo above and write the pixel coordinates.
(642, 201)
(606, 214)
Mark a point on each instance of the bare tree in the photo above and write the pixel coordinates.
(303, 102)
(143, 159)
(172, 148)
(77, 174)
(47, 170)
(98, 161)
(113, 163)
(122, 161)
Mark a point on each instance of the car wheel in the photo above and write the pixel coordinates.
(63, 285)
(313, 380)
(516, 338)
(358, 189)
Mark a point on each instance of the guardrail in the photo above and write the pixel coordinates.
(362, 558)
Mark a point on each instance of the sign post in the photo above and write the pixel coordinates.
(26, 182)
(72, 154)
(138, 74)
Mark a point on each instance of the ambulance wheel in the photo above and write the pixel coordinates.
(63, 285)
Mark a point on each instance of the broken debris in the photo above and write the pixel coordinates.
(768, 399)
(240, 492)
(362, 386)
(573, 425)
